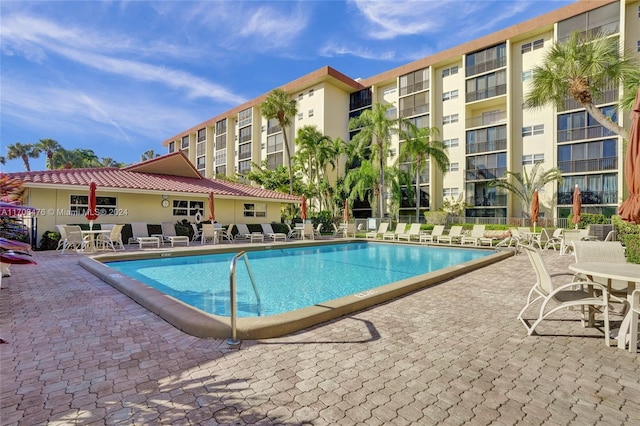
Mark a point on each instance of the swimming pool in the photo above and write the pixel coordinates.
(290, 278)
(201, 323)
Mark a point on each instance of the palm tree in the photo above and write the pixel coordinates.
(3, 160)
(583, 68)
(24, 152)
(419, 148)
(109, 162)
(526, 184)
(50, 146)
(75, 159)
(278, 106)
(359, 182)
(375, 130)
(148, 155)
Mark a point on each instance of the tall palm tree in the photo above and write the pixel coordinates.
(279, 106)
(148, 155)
(524, 185)
(419, 148)
(24, 152)
(375, 130)
(360, 181)
(75, 159)
(109, 162)
(50, 146)
(583, 67)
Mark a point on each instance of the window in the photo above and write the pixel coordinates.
(221, 126)
(534, 45)
(172, 146)
(300, 116)
(389, 91)
(451, 143)
(487, 86)
(533, 130)
(453, 118)
(244, 117)
(244, 151)
(414, 82)
(202, 135)
(79, 205)
(532, 159)
(453, 167)
(275, 143)
(527, 75)
(221, 157)
(310, 92)
(245, 134)
(201, 163)
(486, 60)
(255, 210)
(450, 71)
(300, 95)
(187, 208)
(638, 46)
(449, 95)
(414, 104)
(310, 113)
(185, 142)
(450, 192)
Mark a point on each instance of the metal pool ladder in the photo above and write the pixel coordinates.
(233, 340)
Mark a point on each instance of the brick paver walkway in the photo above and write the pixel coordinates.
(79, 352)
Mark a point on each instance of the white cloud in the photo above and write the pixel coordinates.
(332, 49)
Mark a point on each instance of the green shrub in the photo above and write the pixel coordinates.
(624, 228)
(325, 217)
(435, 218)
(632, 243)
(590, 219)
(49, 240)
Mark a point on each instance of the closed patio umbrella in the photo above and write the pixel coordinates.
(629, 210)
(212, 211)
(303, 205)
(577, 206)
(535, 209)
(92, 213)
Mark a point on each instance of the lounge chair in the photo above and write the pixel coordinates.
(111, 239)
(454, 235)
(401, 227)
(138, 230)
(244, 233)
(384, 227)
(412, 233)
(474, 238)
(432, 237)
(268, 232)
(571, 294)
(169, 234)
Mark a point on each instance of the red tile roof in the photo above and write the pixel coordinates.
(121, 179)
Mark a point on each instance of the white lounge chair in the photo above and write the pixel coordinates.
(268, 232)
(384, 227)
(477, 233)
(244, 233)
(573, 293)
(432, 237)
(391, 235)
(454, 235)
(111, 239)
(169, 234)
(412, 233)
(138, 230)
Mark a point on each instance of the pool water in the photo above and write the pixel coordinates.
(290, 278)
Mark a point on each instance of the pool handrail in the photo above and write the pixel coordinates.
(233, 340)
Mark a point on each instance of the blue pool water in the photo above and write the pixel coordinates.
(290, 278)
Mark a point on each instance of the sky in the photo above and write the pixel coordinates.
(120, 77)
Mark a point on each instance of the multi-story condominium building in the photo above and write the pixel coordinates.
(473, 94)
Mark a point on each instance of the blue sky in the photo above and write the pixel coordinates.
(121, 77)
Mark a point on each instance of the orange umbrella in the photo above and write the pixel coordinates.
(629, 210)
(212, 211)
(535, 209)
(303, 203)
(346, 210)
(577, 205)
(92, 213)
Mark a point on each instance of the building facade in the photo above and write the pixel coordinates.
(473, 94)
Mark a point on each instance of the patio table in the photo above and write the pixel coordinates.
(90, 238)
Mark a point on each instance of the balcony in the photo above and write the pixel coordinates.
(273, 129)
(486, 66)
(414, 110)
(592, 165)
(487, 119)
(485, 174)
(580, 133)
(609, 96)
(492, 201)
(489, 92)
(589, 197)
(496, 145)
(412, 88)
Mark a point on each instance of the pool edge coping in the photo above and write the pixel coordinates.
(204, 325)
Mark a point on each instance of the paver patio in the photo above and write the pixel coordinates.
(80, 352)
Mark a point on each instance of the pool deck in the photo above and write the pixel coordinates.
(80, 352)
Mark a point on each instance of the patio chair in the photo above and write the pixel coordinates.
(73, 238)
(633, 325)
(114, 237)
(555, 240)
(454, 235)
(569, 236)
(391, 235)
(268, 232)
(412, 233)
(316, 232)
(474, 238)
(571, 294)
(169, 234)
(307, 231)
(208, 233)
(540, 240)
(138, 230)
(384, 227)
(245, 234)
(432, 237)
(223, 234)
(197, 234)
(63, 236)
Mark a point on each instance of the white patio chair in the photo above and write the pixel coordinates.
(474, 238)
(401, 227)
(432, 237)
(169, 234)
(197, 234)
(111, 239)
(384, 227)
(412, 233)
(268, 232)
(454, 235)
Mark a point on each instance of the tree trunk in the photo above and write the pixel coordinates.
(286, 146)
(604, 120)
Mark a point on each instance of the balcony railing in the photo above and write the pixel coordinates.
(592, 165)
(245, 138)
(489, 92)
(496, 145)
(609, 96)
(486, 66)
(493, 201)
(412, 88)
(273, 129)
(580, 133)
(485, 174)
(487, 119)
(589, 197)
(415, 110)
